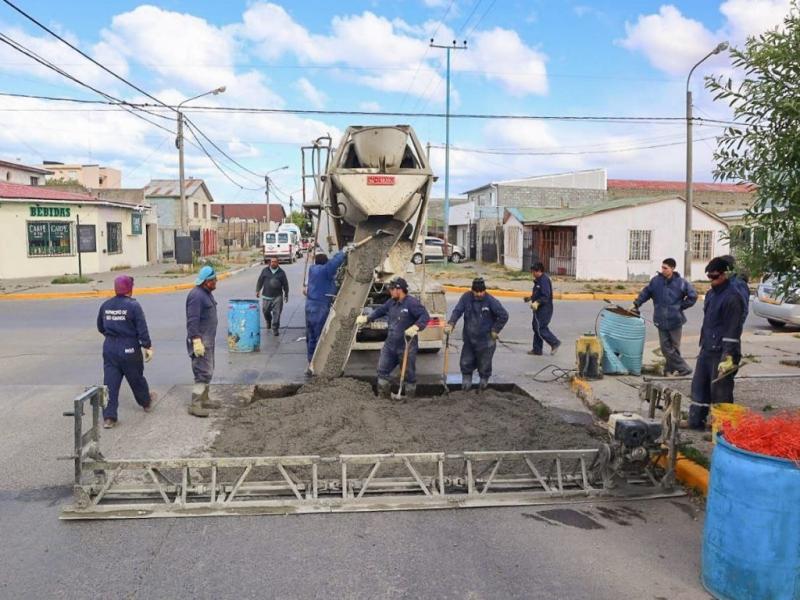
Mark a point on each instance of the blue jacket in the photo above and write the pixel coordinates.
(671, 297)
(740, 285)
(400, 316)
(542, 290)
(480, 316)
(201, 315)
(722, 320)
(322, 279)
(121, 319)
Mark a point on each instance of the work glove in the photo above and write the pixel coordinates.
(527, 299)
(448, 328)
(412, 331)
(198, 348)
(361, 320)
(494, 335)
(285, 299)
(148, 354)
(535, 306)
(725, 366)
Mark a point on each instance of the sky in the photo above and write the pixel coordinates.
(524, 57)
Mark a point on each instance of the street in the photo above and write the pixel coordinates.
(528, 552)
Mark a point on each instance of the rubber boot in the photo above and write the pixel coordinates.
(196, 406)
(410, 390)
(384, 388)
(207, 402)
(466, 383)
(483, 384)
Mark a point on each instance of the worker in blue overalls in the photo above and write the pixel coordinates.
(720, 344)
(406, 317)
(320, 292)
(121, 320)
(201, 333)
(541, 303)
(484, 319)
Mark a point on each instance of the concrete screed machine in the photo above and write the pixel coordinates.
(372, 194)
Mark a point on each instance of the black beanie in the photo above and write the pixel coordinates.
(478, 285)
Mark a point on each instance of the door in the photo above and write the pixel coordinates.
(151, 242)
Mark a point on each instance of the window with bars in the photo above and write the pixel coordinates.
(702, 245)
(114, 238)
(639, 244)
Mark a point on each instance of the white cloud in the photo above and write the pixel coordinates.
(673, 42)
(312, 94)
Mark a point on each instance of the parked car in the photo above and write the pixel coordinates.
(777, 308)
(280, 245)
(434, 251)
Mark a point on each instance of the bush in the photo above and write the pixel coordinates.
(71, 279)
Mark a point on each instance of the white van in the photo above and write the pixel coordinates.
(280, 245)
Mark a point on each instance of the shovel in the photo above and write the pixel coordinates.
(446, 356)
(733, 370)
(378, 233)
(626, 310)
(399, 394)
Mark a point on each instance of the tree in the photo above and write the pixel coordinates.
(762, 147)
(299, 218)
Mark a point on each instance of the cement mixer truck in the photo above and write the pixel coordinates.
(370, 192)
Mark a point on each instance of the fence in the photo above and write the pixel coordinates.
(244, 234)
(492, 246)
(552, 246)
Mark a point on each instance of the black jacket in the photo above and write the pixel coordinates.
(272, 285)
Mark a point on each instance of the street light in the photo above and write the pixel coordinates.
(179, 144)
(266, 188)
(687, 253)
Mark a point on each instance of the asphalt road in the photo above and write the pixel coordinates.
(50, 351)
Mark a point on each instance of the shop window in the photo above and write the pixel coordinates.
(196, 210)
(639, 244)
(702, 244)
(49, 238)
(114, 238)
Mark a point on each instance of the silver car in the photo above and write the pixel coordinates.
(434, 251)
(778, 309)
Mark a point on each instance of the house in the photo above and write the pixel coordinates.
(195, 217)
(716, 197)
(249, 212)
(435, 218)
(11, 172)
(47, 231)
(89, 176)
(624, 239)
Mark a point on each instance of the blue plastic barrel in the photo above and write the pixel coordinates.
(751, 539)
(622, 336)
(244, 326)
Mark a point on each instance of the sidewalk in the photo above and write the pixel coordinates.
(162, 275)
(765, 385)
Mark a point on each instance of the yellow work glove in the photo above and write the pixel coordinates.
(148, 354)
(198, 348)
(726, 365)
(361, 320)
(494, 335)
(448, 328)
(535, 306)
(411, 331)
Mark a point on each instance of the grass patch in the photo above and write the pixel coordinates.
(619, 286)
(601, 410)
(694, 455)
(121, 268)
(768, 408)
(71, 279)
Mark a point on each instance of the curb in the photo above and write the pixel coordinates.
(557, 296)
(164, 289)
(688, 472)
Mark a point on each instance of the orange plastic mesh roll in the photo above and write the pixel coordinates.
(777, 436)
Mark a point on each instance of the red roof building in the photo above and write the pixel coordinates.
(716, 197)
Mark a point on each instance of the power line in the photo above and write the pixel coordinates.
(478, 22)
(215, 163)
(81, 52)
(221, 151)
(566, 153)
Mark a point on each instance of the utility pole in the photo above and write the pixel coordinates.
(454, 46)
(291, 207)
(266, 188)
(687, 254)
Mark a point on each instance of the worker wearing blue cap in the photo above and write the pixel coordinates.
(201, 331)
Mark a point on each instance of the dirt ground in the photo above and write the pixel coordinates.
(343, 416)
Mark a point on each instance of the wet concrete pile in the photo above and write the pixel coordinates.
(343, 416)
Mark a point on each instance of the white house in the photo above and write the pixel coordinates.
(623, 239)
(11, 172)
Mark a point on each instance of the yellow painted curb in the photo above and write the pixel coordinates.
(689, 473)
(558, 295)
(103, 293)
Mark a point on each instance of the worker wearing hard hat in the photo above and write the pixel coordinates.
(541, 303)
(484, 319)
(121, 320)
(720, 344)
(406, 317)
(320, 292)
(201, 332)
